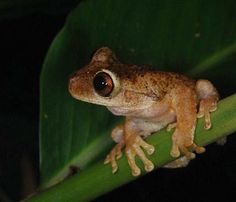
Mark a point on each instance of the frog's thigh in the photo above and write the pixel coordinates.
(205, 89)
(178, 163)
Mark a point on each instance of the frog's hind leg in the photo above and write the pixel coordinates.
(184, 102)
(178, 163)
(208, 98)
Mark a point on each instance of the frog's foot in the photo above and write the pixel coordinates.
(178, 163)
(206, 106)
(114, 155)
(184, 146)
(134, 145)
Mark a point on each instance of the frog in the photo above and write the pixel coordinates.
(149, 100)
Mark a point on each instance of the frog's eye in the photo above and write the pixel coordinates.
(103, 84)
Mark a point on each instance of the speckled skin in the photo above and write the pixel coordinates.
(150, 100)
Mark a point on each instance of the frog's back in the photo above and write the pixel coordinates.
(146, 80)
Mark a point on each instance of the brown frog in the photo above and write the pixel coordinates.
(150, 100)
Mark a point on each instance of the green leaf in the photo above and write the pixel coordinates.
(169, 35)
(81, 186)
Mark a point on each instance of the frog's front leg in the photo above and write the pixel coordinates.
(184, 103)
(134, 146)
(117, 135)
(127, 135)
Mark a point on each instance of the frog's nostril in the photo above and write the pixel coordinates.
(72, 84)
(72, 80)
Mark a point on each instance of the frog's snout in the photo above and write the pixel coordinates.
(79, 85)
(72, 84)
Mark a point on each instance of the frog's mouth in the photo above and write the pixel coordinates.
(124, 111)
(95, 99)
(120, 111)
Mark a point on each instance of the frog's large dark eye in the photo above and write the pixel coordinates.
(103, 84)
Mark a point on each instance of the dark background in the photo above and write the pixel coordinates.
(24, 42)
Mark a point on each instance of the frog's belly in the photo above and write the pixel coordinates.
(147, 127)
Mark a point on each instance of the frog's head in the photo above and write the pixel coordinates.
(105, 81)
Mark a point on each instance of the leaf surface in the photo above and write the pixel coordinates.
(173, 36)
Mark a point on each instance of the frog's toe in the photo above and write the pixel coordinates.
(207, 125)
(188, 152)
(213, 107)
(171, 126)
(207, 116)
(147, 163)
(111, 159)
(184, 146)
(198, 149)
(131, 160)
(189, 155)
(149, 148)
(114, 165)
(118, 150)
(200, 114)
(119, 155)
(135, 146)
(177, 150)
(206, 107)
(107, 160)
(114, 155)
